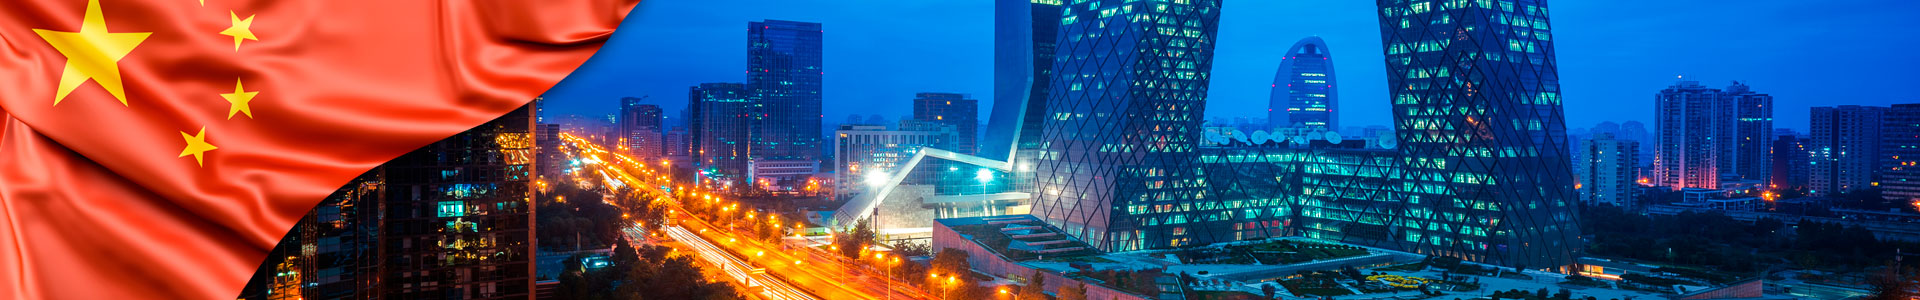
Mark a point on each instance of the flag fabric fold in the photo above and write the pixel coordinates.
(159, 149)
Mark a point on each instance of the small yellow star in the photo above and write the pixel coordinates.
(239, 100)
(93, 53)
(197, 146)
(242, 29)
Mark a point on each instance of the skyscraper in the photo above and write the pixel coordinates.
(1475, 86)
(720, 136)
(1023, 47)
(1752, 133)
(784, 72)
(1123, 118)
(1900, 153)
(1688, 155)
(952, 109)
(1790, 162)
(640, 126)
(1304, 93)
(452, 220)
(1845, 148)
(1610, 175)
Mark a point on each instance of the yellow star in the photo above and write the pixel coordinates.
(197, 146)
(242, 29)
(239, 100)
(92, 53)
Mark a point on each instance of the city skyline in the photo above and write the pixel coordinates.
(1612, 68)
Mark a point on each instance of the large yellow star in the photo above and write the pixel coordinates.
(92, 53)
(242, 29)
(197, 146)
(239, 100)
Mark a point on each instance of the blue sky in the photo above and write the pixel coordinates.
(1613, 55)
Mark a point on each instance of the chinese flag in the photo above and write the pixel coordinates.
(159, 148)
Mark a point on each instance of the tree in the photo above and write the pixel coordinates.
(852, 241)
(951, 262)
(1077, 291)
(1268, 290)
(1036, 287)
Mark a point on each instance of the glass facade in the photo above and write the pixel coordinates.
(720, 141)
(1305, 93)
(784, 72)
(1122, 119)
(1476, 102)
(1024, 33)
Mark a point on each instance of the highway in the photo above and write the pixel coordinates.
(771, 270)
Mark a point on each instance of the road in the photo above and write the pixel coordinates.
(773, 270)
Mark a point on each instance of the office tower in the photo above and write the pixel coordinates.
(1900, 153)
(1845, 148)
(675, 143)
(1483, 98)
(1752, 132)
(1304, 93)
(783, 78)
(452, 220)
(458, 215)
(1688, 154)
(866, 155)
(640, 127)
(1023, 47)
(1610, 176)
(548, 138)
(720, 136)
(1128, 88)
(951, 109)
(1790, 162)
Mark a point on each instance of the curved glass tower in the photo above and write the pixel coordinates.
(1304, 93)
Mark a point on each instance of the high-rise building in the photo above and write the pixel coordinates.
(1687, 118)
(1845, 148)
(784, 72)
(721, 136)
(1610, 170)
(1900, 153)
(1709, 137)
(640, 127)
(866, 155)
(1124, 119)
(1304, 93)
(1790, 162)
(1752, 133)
(1023, 48)
(1482, 101)
(548, 138)
(452, 220)
(675, 143)
(957, 110)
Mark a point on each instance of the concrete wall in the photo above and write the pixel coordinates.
(990, 263)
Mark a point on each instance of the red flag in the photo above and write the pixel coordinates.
(159, 148)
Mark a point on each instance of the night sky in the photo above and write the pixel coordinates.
(1613, 55)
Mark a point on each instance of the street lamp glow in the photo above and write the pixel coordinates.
(984, 176)
(876, 179)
